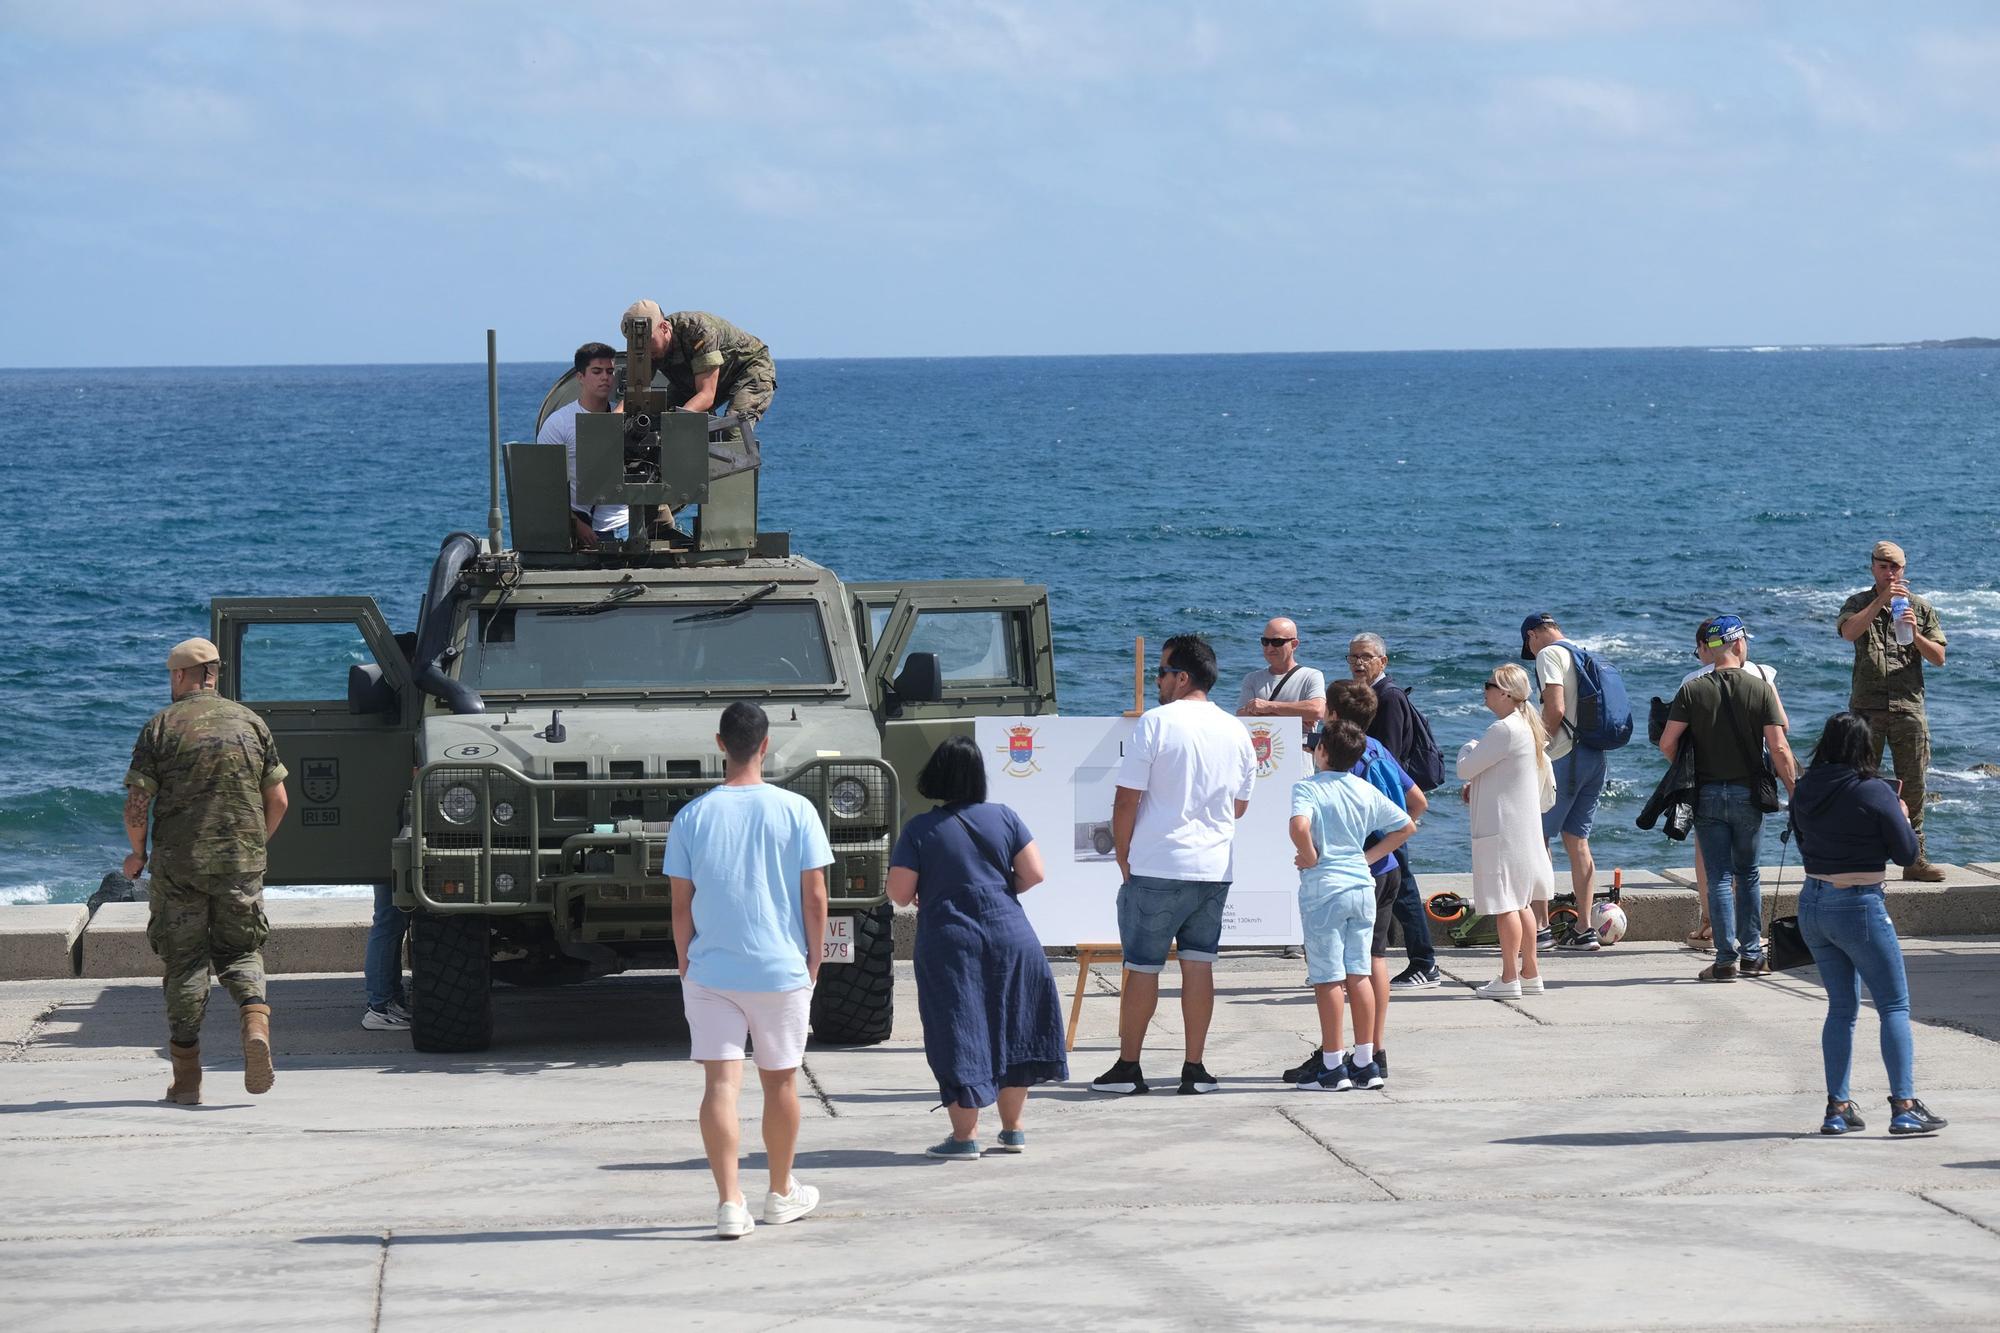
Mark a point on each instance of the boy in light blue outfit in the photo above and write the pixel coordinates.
(1339, 824)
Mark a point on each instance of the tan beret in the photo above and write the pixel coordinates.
(192, 653)
(1889, 551)
(641, 310)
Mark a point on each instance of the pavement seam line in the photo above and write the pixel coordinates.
(381, 1280)
(812, 1081)
(1336, 1154)
(32, 1033)
(1987, 1227)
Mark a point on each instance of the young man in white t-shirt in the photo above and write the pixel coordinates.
(1184, 782)
(596, 365)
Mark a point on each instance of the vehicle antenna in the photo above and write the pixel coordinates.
(493, 440)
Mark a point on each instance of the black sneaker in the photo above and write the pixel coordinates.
(1382, 1063)
(1417, 977)
(1579, 939)
(1841, 1118)
(1196, 1079)
(1123, 1078)
(1309, 1072)
(1340, 1078)
(1366, 1077)
(1545, 938)
(1916, 1118)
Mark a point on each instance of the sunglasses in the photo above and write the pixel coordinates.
(1168, 671)
(1277, 643)
(1494, 685)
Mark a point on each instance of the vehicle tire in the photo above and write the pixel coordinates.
(854, 1003)
(451, 982)
(1101, 840)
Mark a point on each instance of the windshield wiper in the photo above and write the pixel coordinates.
(737, 607)
(623, 591)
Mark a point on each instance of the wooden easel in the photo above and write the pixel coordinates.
(1088, 955)
(1138, 677)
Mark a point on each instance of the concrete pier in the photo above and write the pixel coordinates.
(1633, 1150)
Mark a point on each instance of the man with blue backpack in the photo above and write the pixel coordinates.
(1586, 713)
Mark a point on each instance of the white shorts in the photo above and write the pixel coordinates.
(774, 1021)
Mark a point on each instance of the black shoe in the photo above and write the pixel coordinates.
(1382, 1063)
(1544, 939)
(1841, 1118)
(1916, 1118)
(1417, 976)
(1366, 1077)
(1309, 1072)
(1579, 940)
(1754, 967)
(1196, 1079)
(1123, 1078)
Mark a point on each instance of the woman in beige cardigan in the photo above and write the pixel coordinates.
(1508, 784)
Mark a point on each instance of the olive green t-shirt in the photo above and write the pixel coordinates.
(1719, 756)
(208, 761)
(1888, 676)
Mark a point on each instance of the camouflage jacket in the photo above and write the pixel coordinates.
(1889, 676)
(207, 761)
(704, 342)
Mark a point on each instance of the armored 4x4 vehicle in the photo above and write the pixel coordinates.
(512, 767)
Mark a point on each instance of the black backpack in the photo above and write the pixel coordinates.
(1425, 763)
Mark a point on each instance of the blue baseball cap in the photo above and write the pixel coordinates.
(1719, 630)
(1530, 625)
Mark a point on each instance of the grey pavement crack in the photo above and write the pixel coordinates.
(1336, 1153)
(29, 1035)
(1987, 1227)
(381, 1279)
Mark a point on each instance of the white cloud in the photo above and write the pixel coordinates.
(1561, 105)
(1836, 96)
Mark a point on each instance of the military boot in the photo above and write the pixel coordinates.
(258, 1075)
(185, 1090)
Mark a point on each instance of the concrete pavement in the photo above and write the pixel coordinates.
(1657, 1127)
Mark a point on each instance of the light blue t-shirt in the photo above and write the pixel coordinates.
(1346, 813)
(745, 848)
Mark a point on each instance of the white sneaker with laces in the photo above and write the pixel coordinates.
(1497, 989)
(790, 1207)
(733, 1220)
(384, 1020)
(1532, 986)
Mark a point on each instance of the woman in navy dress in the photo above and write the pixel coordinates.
(992, 1019)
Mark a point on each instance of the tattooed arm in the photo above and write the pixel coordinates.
(138, 814)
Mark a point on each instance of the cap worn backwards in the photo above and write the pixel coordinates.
(1719, 630)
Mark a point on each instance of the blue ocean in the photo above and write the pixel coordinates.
(1435, 498)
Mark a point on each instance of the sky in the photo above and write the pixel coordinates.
(323, 181)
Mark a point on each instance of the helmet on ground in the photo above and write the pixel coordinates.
(1609, 918)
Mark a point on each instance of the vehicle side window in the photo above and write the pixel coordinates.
(974, 648)
(278, 663)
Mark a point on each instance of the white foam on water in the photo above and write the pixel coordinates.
(321, 891)
(26, 895)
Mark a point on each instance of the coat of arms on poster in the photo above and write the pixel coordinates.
(1020, 752)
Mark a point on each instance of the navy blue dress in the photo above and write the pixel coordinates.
(992, 1017)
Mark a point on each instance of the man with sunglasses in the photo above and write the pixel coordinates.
(1283, 687)
(1185, 780)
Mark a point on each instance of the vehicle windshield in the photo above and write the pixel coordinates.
(636, 646)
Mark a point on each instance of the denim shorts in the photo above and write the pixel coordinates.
(1339, 928)
(1579, 784)
(1154, 914)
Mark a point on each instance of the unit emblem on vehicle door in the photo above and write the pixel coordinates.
(319, 779)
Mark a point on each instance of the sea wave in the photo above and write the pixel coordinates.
(24, 895)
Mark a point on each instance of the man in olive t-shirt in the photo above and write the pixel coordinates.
(1731, 716)
(1888, 686)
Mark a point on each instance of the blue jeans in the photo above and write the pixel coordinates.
(382, 966)
(1850, 935)
(1156, 914)
(1410, 915)
(1729, 829)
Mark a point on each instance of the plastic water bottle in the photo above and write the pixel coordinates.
(1904, 631)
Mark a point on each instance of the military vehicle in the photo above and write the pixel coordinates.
(513, 765)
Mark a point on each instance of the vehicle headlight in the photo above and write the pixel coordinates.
(503, 812)
(459, 805)
(503, 884)
(847, 798)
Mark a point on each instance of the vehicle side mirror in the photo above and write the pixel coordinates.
(921, 680)
(367, 693)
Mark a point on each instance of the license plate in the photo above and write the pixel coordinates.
(838, 945)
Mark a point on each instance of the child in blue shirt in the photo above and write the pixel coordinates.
(1339, 824)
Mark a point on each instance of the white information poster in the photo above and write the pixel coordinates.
(1058, 774)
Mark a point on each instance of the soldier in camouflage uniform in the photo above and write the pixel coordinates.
(708, 362)
(1888, 686)
(206, 773)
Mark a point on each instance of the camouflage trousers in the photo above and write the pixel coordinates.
(750, 396)
(204, 921)
(1908, 738)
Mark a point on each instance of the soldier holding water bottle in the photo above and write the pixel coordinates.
(1895, 633)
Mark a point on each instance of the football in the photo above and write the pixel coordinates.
(1609, 918)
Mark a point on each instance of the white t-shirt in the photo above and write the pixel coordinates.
(1555, 665)
(1305, 683)
(1192, 762)
(560, 428)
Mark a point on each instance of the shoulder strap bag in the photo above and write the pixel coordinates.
(1763, 783)
(1785, 945)
(998, 862)
(1279, 688)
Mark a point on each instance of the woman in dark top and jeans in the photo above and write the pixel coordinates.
(1849, 823)
(992, 1019)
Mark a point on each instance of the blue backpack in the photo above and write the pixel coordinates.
(1603, 713)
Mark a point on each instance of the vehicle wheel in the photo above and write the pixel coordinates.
(854, 1003)
(451, 982)
(1101, 840)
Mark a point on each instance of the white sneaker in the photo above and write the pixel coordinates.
(384, 1020)
(733, 1220)
(782, 1208)
(1532, 986)
(1500, 990)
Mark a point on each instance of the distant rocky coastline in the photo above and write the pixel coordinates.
(1929, 344)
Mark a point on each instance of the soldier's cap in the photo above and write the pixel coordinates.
(1719, 630)
(1888, 551)
(1530, 625)
(641, 310)
(192, 653)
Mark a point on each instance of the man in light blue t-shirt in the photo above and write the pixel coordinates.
(748, 865)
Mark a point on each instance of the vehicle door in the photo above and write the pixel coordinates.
(995, 656)
(335, 687)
